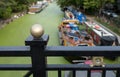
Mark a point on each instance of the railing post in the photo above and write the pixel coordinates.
(37, 45)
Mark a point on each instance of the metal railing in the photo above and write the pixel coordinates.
(38, 50)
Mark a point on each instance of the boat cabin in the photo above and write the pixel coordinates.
(100, 35)
(35, 9)
(69, 15)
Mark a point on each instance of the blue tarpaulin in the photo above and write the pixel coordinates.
(81, 17)
(78, 15)
(73, 26)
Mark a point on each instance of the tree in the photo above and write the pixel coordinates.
(7, 3)
(75, 3)
(2, 3)
(22, 5)
(96, 4)
(5, 12)
(27, 2)
(7, 7)
(87, 4)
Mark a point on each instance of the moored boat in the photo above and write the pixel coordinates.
(70, 35)
(100, 35)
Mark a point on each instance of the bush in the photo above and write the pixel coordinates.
(0, 12)
(91, 11)
(116, 22)
(5, 12)
(24, 7)
(19, 8)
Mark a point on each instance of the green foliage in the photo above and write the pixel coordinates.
(19, 8)
(96, 5)
(64, 3)
(5, 12)
(90, 4)
(2, 3)
(25, 1)
(87, 4)
(9, 6)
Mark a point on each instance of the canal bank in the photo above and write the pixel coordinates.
(15, 33)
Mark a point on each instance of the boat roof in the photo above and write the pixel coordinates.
(70, 21)
(98, 29)
(36, 6)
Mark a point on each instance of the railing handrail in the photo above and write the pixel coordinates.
(59, 66)
(62, 51)
(38, 50)
(15, 51)
(82, 51)
(81, 67)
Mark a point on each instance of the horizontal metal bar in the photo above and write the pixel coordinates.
(81, 67)
(51, 67)
(16, 51)
(17, 67)
(63, 51)
(83, 51)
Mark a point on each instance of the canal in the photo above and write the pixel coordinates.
(15, 33)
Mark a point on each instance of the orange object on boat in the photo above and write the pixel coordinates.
(97, 27)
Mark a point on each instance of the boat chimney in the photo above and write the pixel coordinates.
(102, 33)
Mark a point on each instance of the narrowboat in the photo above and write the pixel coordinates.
(101, 36)
(35, 9)
(71, 13)
(68, 15)
(70, 35)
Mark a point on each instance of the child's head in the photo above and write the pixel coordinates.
(71, 38)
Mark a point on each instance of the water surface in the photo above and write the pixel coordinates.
(15, 33)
